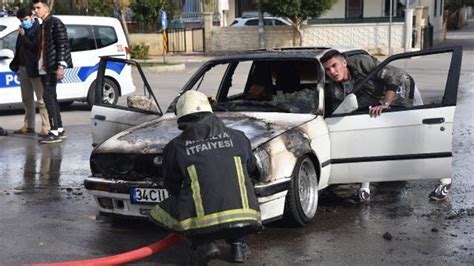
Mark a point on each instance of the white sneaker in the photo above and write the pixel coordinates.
(440, 192)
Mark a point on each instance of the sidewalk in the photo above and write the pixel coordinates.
(178, 58)
(463, 37)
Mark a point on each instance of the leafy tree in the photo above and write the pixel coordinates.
(16, 4)
(147, 11)
(103, 8)
(64, 8)
(296, 10)
(120, 6)
(173, 8)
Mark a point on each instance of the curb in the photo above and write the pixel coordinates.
(157, 69)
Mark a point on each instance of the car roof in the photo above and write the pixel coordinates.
(88, 20)
(285, 53)
(11, 23)
(248, 18)
(85, 20)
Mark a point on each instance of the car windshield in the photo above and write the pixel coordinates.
(262, 86)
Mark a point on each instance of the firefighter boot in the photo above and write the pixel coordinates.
(205, 252)
(239, 251)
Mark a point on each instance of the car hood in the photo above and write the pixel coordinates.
(151, 137)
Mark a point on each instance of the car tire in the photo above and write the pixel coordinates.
(302, 198)
(111, 93)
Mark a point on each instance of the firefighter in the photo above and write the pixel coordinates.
(206, 171)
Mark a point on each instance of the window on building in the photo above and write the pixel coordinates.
(245, 5)
(435, 13)
(354, 8)
(441, 8)
(398, 8)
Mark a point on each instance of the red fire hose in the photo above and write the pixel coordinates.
(127, 257)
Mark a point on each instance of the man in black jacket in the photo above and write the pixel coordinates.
(205, 170)
(25, 64)
(54, 57)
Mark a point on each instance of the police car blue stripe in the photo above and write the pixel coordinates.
(8, 80)
(71, 75)
(85, 72)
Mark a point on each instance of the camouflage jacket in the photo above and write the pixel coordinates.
(373, 91)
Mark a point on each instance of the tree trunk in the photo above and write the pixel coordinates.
(300, 34)
(261, 31)
(124, 25)
(119, 7)
(297, 34)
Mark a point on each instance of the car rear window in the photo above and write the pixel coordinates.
(80, 37)
(252, 22)
(279, 23)
(105, 36)
(9, 41)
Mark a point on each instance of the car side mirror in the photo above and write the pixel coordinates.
(6, 54)
(140, 102)
(348, 105)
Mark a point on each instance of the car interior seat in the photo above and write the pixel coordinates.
(287, 79)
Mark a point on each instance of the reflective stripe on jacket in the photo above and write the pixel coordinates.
(208, 181)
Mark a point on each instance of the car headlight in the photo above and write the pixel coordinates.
(263, 163)
(158, 161)
(123, 164)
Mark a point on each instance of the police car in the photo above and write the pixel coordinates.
(89, 38)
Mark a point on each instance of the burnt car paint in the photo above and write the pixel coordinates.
(151, 137)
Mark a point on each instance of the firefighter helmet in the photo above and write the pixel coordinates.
(192, 102)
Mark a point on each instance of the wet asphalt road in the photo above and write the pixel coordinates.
(46, 215)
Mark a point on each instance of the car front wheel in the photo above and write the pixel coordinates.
(302, 197)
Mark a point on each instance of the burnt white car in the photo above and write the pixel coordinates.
(277, 98)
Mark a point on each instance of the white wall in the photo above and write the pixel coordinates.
(371, 36)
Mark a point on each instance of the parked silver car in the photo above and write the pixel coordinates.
(253, 21)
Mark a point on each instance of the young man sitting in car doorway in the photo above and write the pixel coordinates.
(391, 86)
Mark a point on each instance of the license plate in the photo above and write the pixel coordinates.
(150, 195)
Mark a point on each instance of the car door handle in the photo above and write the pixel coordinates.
(431, 121)
(99, 117)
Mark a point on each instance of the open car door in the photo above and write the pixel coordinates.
(107, 119)
(404, 143)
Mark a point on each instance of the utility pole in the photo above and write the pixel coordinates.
(261, 30)
(390, 29)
